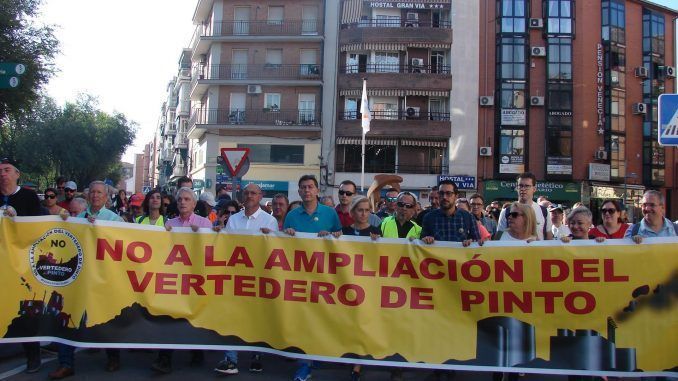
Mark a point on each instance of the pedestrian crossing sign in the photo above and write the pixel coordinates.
(668, 120)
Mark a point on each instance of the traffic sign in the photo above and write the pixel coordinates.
(145, 189)
(8, 82)
(235, 158)
(667, 133)
(198, 184)
(12, 68)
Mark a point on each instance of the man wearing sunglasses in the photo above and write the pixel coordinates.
(390, 206)
(449, 223)
(69, 192)
(18, 201)
(526, 185)
(347, 189)
(400, 225)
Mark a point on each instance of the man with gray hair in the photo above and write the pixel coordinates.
(76, 206)
(654, 223)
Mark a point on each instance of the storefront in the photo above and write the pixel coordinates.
(598, 192)
(557, 192)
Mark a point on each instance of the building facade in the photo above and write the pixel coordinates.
(568, 91)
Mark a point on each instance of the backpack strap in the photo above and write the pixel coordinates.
(635, 228)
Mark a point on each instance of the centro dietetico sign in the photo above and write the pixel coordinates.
(406, 5)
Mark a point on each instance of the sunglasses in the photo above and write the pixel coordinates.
(346, 193)
(392, 199)
(69, 190)
(50, 196)
(515, 214)
(610, 211)
(231, 212)
(405, 205)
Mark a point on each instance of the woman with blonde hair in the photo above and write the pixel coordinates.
(522, 224)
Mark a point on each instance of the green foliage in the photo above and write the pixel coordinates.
(24, 40)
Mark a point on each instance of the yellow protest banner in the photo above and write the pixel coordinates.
(544, 307)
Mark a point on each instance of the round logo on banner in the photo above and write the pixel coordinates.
(56, 258)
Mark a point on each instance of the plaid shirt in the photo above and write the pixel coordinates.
(458, 227)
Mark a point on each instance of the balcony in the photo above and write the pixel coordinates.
(181, 140)
(392, 168)
(398, 31)
(184, 108)
(272, 119)
(422, 124)
(396, 76)
(172, 129)
(247, 31)
(242, 74)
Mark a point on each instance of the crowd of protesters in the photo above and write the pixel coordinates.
(448, 218)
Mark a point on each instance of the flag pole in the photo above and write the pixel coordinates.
(365, 124)
(362, 167)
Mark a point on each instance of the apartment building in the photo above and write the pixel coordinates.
(569, 92)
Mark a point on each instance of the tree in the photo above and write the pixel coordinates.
(23, 40)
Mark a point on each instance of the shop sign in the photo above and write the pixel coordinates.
(513, 117)
(599, 172)
(512, 164)
(269, 185)
(462, 182)
(559, 165)
(558, 191)
(408, 5)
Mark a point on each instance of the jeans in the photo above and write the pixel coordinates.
(231, 356)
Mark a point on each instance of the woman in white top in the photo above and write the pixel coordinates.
(522, 224)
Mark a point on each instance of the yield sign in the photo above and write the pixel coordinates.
(234, 158)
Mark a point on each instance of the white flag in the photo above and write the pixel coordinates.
(365, 110)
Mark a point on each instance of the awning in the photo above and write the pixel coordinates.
(424, 143)
(351, 12)
(392, 46)
(350, 140)
(394, 93)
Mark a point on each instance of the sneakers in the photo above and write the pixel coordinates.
(303, 373)
(226, 367)
(255, 363)
(355, 376)
(33, 364)
(61, 372)
(162, 364)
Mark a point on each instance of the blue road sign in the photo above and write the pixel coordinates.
(668, 120)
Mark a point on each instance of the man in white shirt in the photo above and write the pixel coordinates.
(252, 217)
(558, 228)
(526, 186)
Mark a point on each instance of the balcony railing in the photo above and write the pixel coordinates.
(392, 168)
(410, 114)
(396, 23)
(263, 28)
(394, 68)
(268, 117)
(268, 71)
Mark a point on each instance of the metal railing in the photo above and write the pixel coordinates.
(267, 71)
(397, 23)
(408, 114)
(392, 168)
(262, 28)
(268, 117)
(394, 68)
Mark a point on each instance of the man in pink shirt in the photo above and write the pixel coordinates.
(186, 201)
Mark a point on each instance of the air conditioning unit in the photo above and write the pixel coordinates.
(601, 154)
(418, 62)
(412, 112)
(486, 100)
(538, 51)
(639, 108)
(537, 101)
(485, 151)
(536, 23)
(669, 71)
(412, 20)
(253, 89)
(641, 72)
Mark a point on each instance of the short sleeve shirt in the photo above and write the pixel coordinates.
(323, 218)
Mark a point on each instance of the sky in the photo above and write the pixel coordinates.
(124, 52)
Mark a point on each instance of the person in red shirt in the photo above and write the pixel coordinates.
(69, 192)
(612, 226)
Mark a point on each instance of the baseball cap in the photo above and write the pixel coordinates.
(556, 207)
(71, 185)
(136, 199)
(208, 197)
(8, 160)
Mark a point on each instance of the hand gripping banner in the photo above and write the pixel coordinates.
(545, 307)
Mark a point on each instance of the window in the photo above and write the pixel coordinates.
(386, 62)
(351, 108)
(272, 101)
(384, 109)
(512, 142)
(422, 160)
(273, 57)
(512, 95)
(618, 111)
(513, 16)
(438, 62)
(614, 21)
(559, 142)
(617, 156)
(378, 158)
(512, 58)
(559, 17)
(387, 21)
(275, 15)
(559, 59)
(559, 97)
(273, 153)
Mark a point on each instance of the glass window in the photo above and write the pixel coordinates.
(273, 57)
(378, 158)
(423, 160)
(559, 17)
(351, 108)
(272, 101)
(512, 61)
(272, 153)
(559, 59)
(513, 16)
(512, 142)
(386, 62)
(559, 97)
(559, 142)
(617, 156)
(275, 14)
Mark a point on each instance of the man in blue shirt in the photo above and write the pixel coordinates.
(449, 223)
(653, 224)
(311, 217)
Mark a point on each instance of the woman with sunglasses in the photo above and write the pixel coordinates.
(230, 208)
(51, 202)
(154, 210)
(612, 226)
(522, 224)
